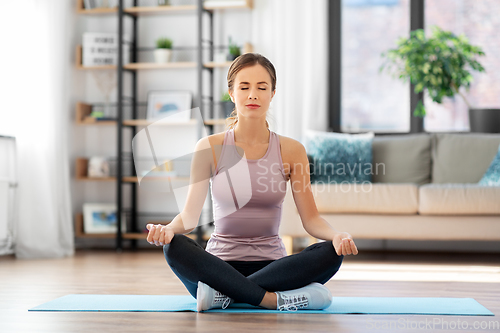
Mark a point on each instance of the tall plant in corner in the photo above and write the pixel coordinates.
(441, 64)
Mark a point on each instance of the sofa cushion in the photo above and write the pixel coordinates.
(339, 157)
(492, 175)
(366, 198)
(462, 158)
(402, 159)
(459, 199)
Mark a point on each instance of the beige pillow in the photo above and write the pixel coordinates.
(462, 158)
(402, 159)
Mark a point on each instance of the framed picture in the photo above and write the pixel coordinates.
(101, 218)
(170, 105)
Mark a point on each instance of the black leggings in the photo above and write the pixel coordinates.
(248, 281)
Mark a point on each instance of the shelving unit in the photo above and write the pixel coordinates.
(160, 10)
(79, 232)
(83, 110)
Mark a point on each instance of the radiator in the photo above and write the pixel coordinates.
(8, 184)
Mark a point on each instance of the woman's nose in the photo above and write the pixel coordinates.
(253, 94)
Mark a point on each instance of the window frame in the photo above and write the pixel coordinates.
(335, 67)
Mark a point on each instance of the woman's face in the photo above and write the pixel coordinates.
(252, 86)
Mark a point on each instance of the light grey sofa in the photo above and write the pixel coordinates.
(424, 187)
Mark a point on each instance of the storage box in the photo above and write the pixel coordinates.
(101, 49)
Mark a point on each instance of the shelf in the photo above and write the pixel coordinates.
(134, 179)
(217, 64)
(247, 48)
(153, 65)
(145, 122)
(81, 167)
(160, 10)
(94, 122)
(243, 4)
(89, 121)
(80, 9)
(83, 111)
(128, 179)
(80, 233)
(215, 122)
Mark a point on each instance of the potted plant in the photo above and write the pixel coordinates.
(163, 51)
(227, 105)
(442, 64)
(234, 51)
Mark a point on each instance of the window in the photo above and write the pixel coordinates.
(371, 100)
(480, 22)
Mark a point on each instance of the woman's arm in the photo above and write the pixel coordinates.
(313, 223)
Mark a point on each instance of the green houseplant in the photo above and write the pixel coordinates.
(441, 64)
(163, 52)
(234, 51)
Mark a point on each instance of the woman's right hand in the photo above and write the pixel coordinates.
(159, 235)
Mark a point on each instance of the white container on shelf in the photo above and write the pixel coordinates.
(163, 55)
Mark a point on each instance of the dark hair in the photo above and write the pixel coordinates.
(243, 61)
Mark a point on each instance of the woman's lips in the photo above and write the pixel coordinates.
(253, 106)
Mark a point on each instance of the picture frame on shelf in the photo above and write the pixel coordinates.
(170, 105)
(99, 218)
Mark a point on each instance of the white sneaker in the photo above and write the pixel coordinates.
(314, 296)
(209, 298)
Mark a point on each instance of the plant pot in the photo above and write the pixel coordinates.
(231, 57)
(484, 120)
(226, 108)
(162, 55)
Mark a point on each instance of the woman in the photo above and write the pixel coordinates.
(249, 166)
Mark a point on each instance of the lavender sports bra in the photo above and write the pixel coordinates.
(247, 198)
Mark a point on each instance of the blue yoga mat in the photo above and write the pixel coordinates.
(363, 305)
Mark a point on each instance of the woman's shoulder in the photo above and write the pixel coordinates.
(216, 139)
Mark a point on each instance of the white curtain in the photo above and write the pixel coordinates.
(35, 108)
(293, 35)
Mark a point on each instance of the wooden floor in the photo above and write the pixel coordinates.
(27, 283)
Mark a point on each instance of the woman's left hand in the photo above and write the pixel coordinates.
(343, 244)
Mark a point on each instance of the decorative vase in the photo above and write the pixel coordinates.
(484, 120)
(163, 55)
